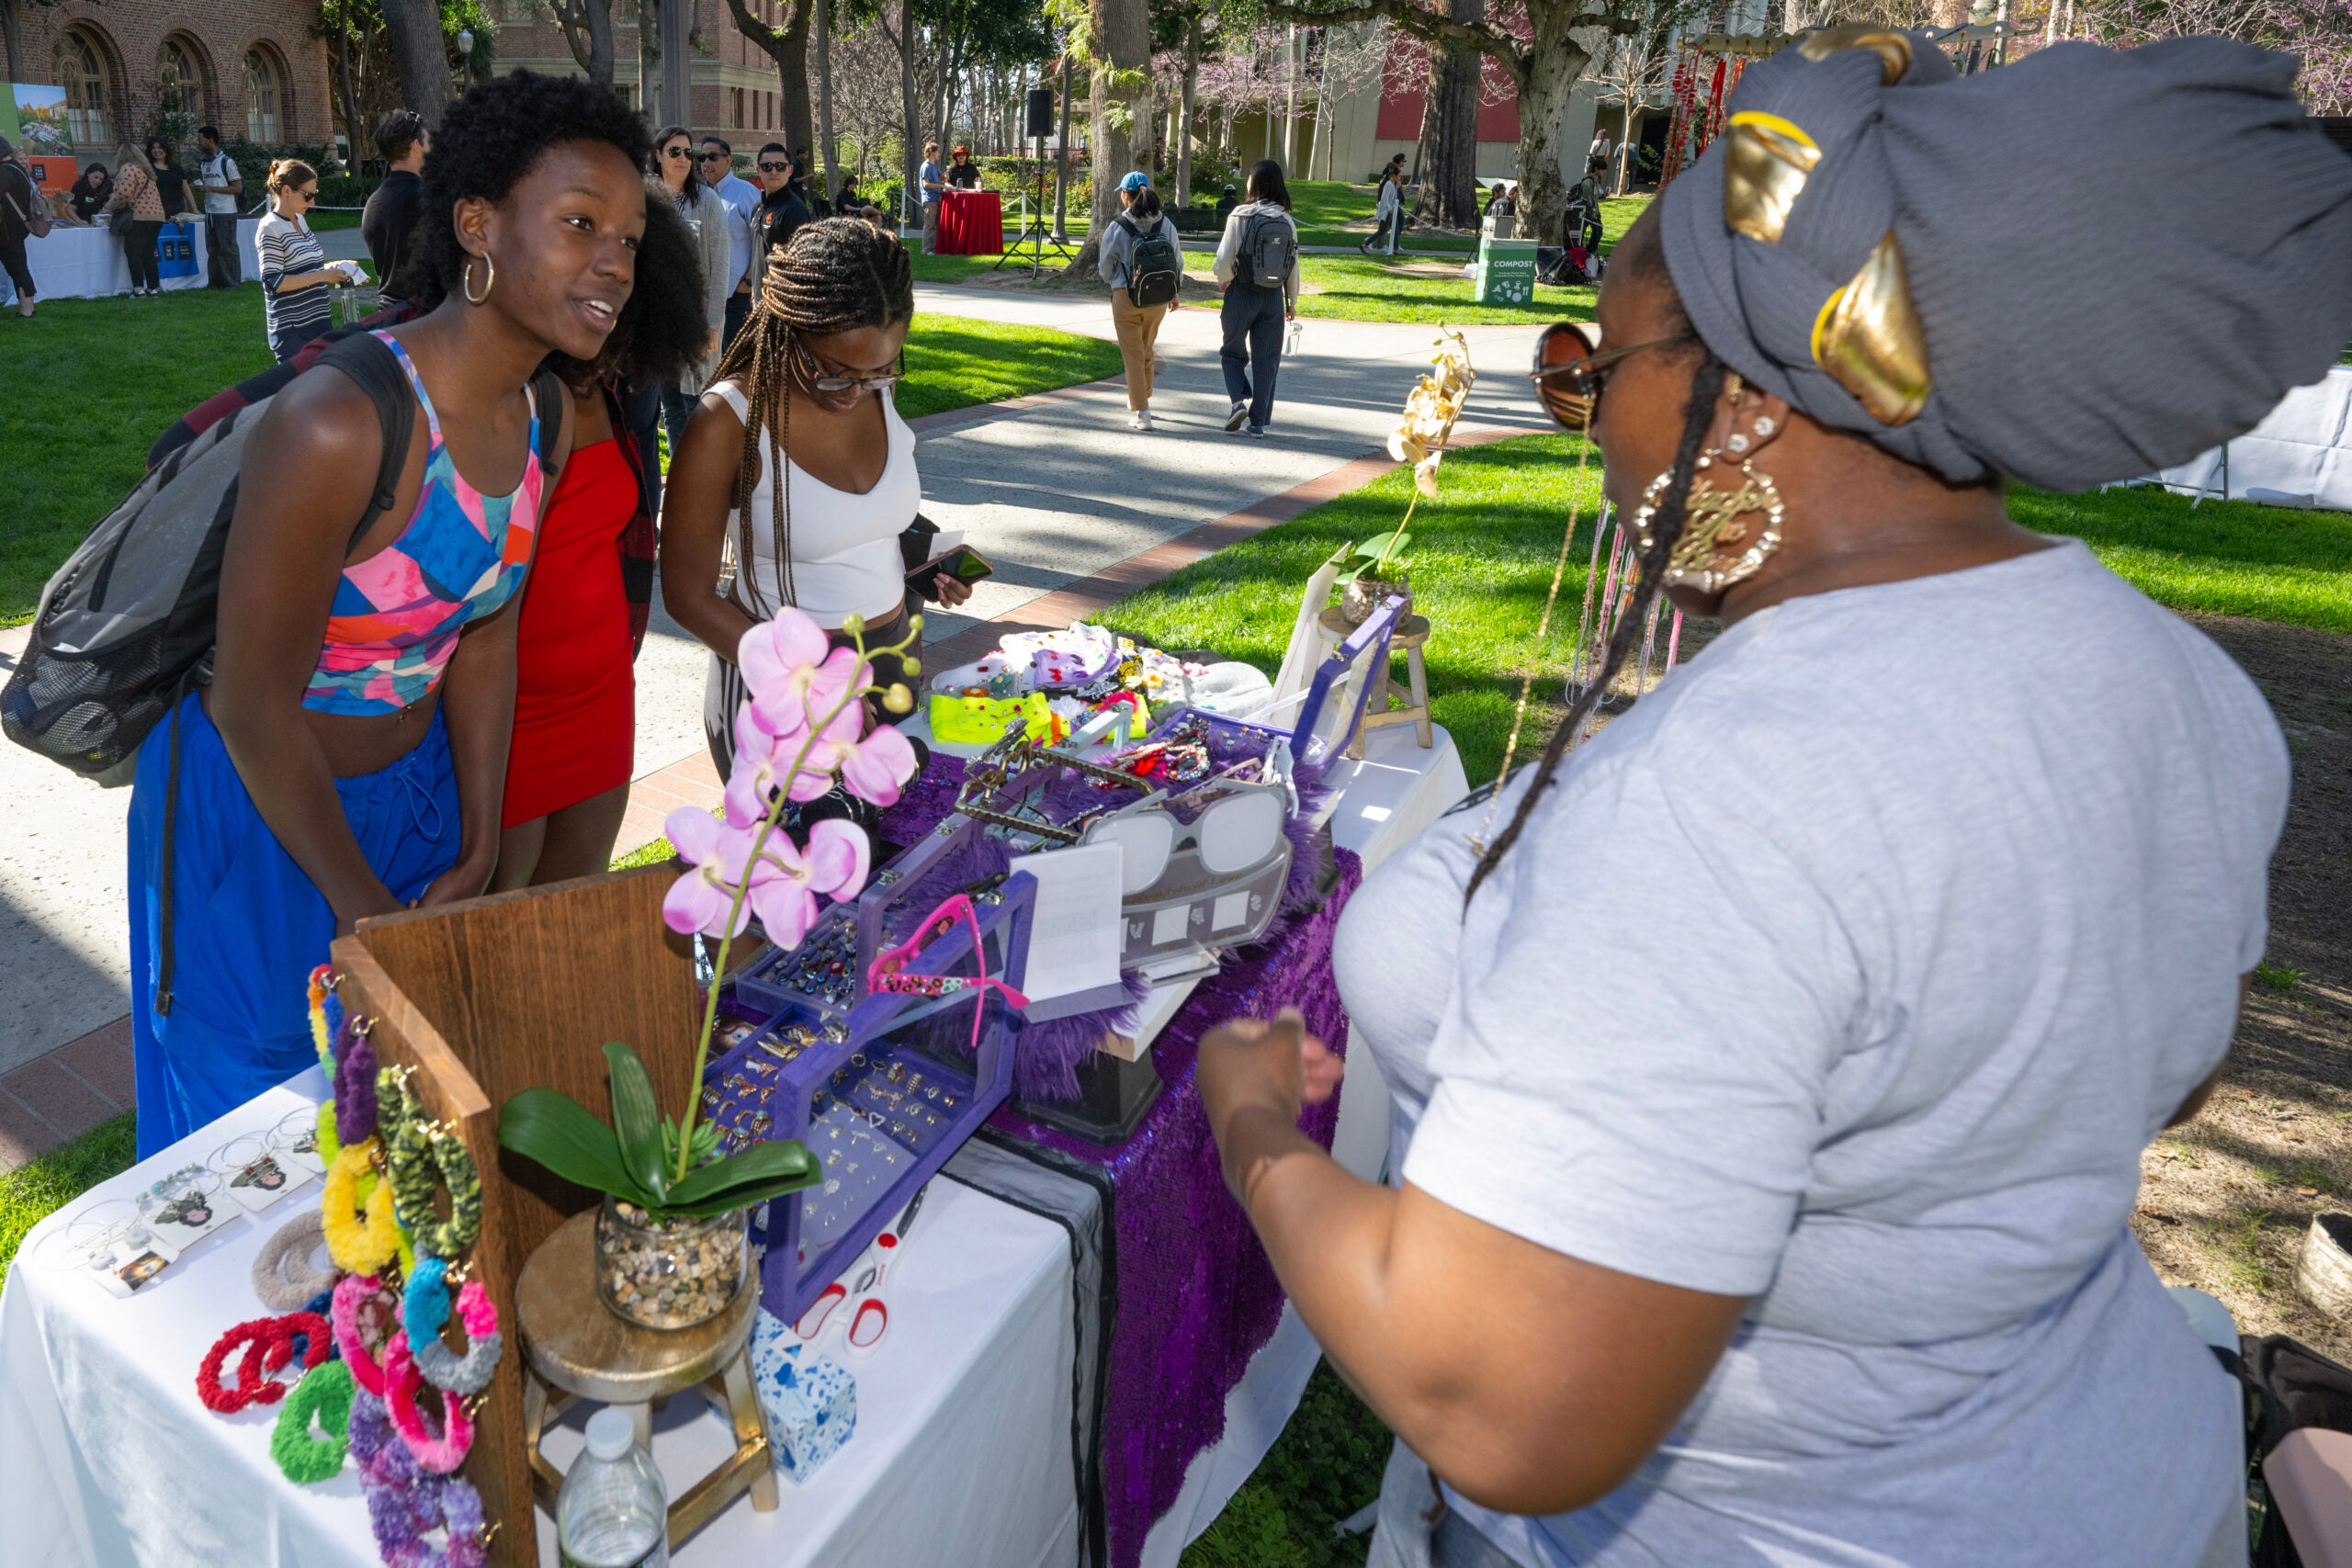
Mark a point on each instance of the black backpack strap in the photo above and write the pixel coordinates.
(551, 394)
(364, 359)
(1124, 221)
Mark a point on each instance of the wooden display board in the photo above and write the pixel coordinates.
(496, 995)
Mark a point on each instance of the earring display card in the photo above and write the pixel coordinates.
(294, 1142)
(116, 1249)
(256, 1175)
(186, 1205)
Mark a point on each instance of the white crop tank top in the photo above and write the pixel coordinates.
(844, 546)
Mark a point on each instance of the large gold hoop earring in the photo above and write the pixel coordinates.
(1723, 543)
(489, 279)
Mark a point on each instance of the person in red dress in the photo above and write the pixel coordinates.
(591, 588)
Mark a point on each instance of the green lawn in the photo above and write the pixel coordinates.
(33, 1190)
(111, 374)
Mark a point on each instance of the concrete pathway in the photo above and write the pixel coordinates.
(1072, 506)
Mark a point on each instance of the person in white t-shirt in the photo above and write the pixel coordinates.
(1771, 1072)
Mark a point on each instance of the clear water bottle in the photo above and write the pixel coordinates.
(612, 1512)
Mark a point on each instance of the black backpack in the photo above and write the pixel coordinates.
(1155, 271)
(1268, 247)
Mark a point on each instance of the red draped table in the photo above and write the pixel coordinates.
(971, 223)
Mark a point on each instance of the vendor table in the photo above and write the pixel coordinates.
(75, 264)
(971, 223)
(972, 1426)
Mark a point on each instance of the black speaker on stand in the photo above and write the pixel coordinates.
(1038, 123)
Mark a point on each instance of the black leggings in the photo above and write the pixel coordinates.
(12, 258)
(138, 249)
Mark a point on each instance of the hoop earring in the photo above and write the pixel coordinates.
(489, 279)
(1716, 523)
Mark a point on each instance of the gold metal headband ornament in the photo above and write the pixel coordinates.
(1893, 50)
(1715, 524)
(1868, 337)
(1766, 161)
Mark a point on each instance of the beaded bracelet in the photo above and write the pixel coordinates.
(268, 1344)
(357, 1247)
(326, 1395)
(403, 1383)
(421, 1158)
(355, 1292)
(284, 1277)
(425, 1309)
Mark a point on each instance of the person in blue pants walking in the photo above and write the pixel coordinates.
(1260, 241)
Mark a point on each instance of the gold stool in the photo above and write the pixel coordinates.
(575, 1348)
(1410, 634)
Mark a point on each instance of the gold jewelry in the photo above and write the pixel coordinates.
(1766, 162)
(1868, 337)
(489, 279)
(1716, 523)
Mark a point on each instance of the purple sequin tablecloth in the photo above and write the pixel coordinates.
(1193, 1296)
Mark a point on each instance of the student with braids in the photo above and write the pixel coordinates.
(804, 390)
(1771, 1073)
(349, 757)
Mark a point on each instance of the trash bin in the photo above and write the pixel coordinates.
(1505, 271)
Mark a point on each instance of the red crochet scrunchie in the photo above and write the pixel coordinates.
(268, 1344)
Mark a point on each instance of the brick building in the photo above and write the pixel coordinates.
(735, 86)
(251, 67)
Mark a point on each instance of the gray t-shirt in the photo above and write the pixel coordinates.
(1852, 971)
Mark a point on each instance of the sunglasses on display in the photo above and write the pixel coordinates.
(1232, 835)
(1572, 370)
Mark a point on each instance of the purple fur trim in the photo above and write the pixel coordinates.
(1045, 1063)
(354, 1093)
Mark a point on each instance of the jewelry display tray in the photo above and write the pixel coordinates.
(882, 1093)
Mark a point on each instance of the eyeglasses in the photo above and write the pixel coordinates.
(775, 168)
(714, 157)
(308, 196)
(677, 151)
(829, 382)
(1571, 371)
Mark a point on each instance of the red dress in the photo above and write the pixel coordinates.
(575, 694)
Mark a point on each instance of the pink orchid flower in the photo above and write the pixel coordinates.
(761, 760)
(699, 900)
(793, 680)
(788, 879)
(872, 768)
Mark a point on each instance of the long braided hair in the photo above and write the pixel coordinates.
(835, 275)
(1666, 527)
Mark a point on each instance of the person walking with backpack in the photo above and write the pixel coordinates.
(348, 758)
(1389, 212)
(1257, 265)
(221, 184)
(1145, 268)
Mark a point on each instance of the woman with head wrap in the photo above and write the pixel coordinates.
(1771, 1080)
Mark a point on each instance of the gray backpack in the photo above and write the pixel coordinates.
(125, 627)
(1269, 247)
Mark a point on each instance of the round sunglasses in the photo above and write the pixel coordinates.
(1572, 369)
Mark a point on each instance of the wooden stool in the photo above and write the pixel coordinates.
(1410, 634)
(575, 1348)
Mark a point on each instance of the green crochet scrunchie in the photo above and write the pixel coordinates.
(326, 1392)
(419, 1159)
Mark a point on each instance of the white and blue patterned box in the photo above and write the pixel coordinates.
(811, 1399)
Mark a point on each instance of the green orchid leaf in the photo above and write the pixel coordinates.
(760, 1172)
(558, 1132)
(637, 1121)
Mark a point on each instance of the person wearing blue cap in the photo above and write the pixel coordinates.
(1772, 1075)
(1142, 260)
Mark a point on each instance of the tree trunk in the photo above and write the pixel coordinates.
(1556, 63)
(419, 57)
(1121, 30)
(677, 63)
(911, 134)
(792, 77)
(599, 64)
(1184, 112)
(823, 23)
(1061, 159)
(351, 125)
(1449, 129)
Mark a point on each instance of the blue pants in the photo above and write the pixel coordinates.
(1253, 335)
(645, 410)
(248, 924)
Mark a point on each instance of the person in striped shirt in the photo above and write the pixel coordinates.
(295, 272)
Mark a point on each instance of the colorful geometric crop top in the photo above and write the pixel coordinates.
(397, 615)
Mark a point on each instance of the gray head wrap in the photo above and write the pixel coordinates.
(2117, 260)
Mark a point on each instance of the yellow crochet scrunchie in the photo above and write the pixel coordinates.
(358, 1246)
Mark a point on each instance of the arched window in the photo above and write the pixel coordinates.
(79, 67)
(262, 80)
(179, 81)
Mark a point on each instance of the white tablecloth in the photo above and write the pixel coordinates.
(2297, 456)
(72, 264)
(108, 1458)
